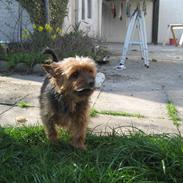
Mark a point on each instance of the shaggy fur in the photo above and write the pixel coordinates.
(64, 98)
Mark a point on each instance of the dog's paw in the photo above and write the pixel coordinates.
(80, 146)
(53, 139)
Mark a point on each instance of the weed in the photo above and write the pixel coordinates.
(28, 58)
(23, 104)
(173, 114)
(94, 112)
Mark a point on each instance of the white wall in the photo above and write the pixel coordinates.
(9, 21)
(114, 30)
(70, 19)
(171, 12)
(91, 25)
(102, 25)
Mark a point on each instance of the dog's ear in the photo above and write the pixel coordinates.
(53, 69)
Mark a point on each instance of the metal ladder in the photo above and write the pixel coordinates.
(137, 20)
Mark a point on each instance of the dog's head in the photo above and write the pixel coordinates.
(73, 76)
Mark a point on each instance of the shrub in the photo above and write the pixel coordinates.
(28, 58)
(77, 42)
(74, 43)
(37, 11)
(42, 36)
(70, 44)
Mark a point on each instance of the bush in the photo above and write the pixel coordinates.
(28, 58)
(37, 11)
(74, 43)
(70, 44)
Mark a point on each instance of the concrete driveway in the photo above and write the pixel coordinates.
(134, 90)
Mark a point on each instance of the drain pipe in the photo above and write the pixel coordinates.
(46, 2)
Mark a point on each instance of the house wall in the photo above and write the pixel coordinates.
(170, 12)
(114, 30)
(103, 26)
(10, 22)
(71, 18)
(91, 25)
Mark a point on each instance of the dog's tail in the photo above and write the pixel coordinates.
(52, 53)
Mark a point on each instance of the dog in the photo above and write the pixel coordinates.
(64, 97)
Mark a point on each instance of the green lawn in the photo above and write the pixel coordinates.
(27, 157)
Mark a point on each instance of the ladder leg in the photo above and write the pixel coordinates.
(127, 42)
(138, 20)
(141, 38)
(127, 38)
(143, 30)
(181, 40)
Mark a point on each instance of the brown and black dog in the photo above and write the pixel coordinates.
(65, 95)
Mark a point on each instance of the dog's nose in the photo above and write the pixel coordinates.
(91, 83)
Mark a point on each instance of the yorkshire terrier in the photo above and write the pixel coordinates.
(65, 94)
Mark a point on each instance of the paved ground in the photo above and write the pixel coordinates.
(134, 90)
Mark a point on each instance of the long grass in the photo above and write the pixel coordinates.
(27, 157)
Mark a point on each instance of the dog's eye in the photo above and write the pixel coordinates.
(75, 75)
(90, 71)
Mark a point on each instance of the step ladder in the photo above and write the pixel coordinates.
(137, 22)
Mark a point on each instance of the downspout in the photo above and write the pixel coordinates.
(100, 18)
(46, 2)
(20, 16)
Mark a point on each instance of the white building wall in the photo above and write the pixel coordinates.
(10, 22)
(170, 12)
(71, 17)
(114, 30)
(91, 25)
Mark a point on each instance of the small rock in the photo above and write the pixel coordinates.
(154, 60)
(3, 66)
(21, 67)
(37, 69)
(21, 119)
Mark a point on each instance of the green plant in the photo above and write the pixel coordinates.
(99, 53)
(28, 58)
(27, 156)
(77, 42)
(23, 104)
(74, 43)
(2, 52)
(37, 11)
(43, 36)
(173, 114)
(94, 112)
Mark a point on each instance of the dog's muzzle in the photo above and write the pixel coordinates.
(85, 91)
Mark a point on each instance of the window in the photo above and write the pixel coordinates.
(83, 10)
(89, 9)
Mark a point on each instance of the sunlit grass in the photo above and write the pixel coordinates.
(94, 113)
(26, 156)
(173, 114)
(23, 104)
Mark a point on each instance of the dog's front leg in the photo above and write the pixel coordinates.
(78, 132)
(51, 129)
